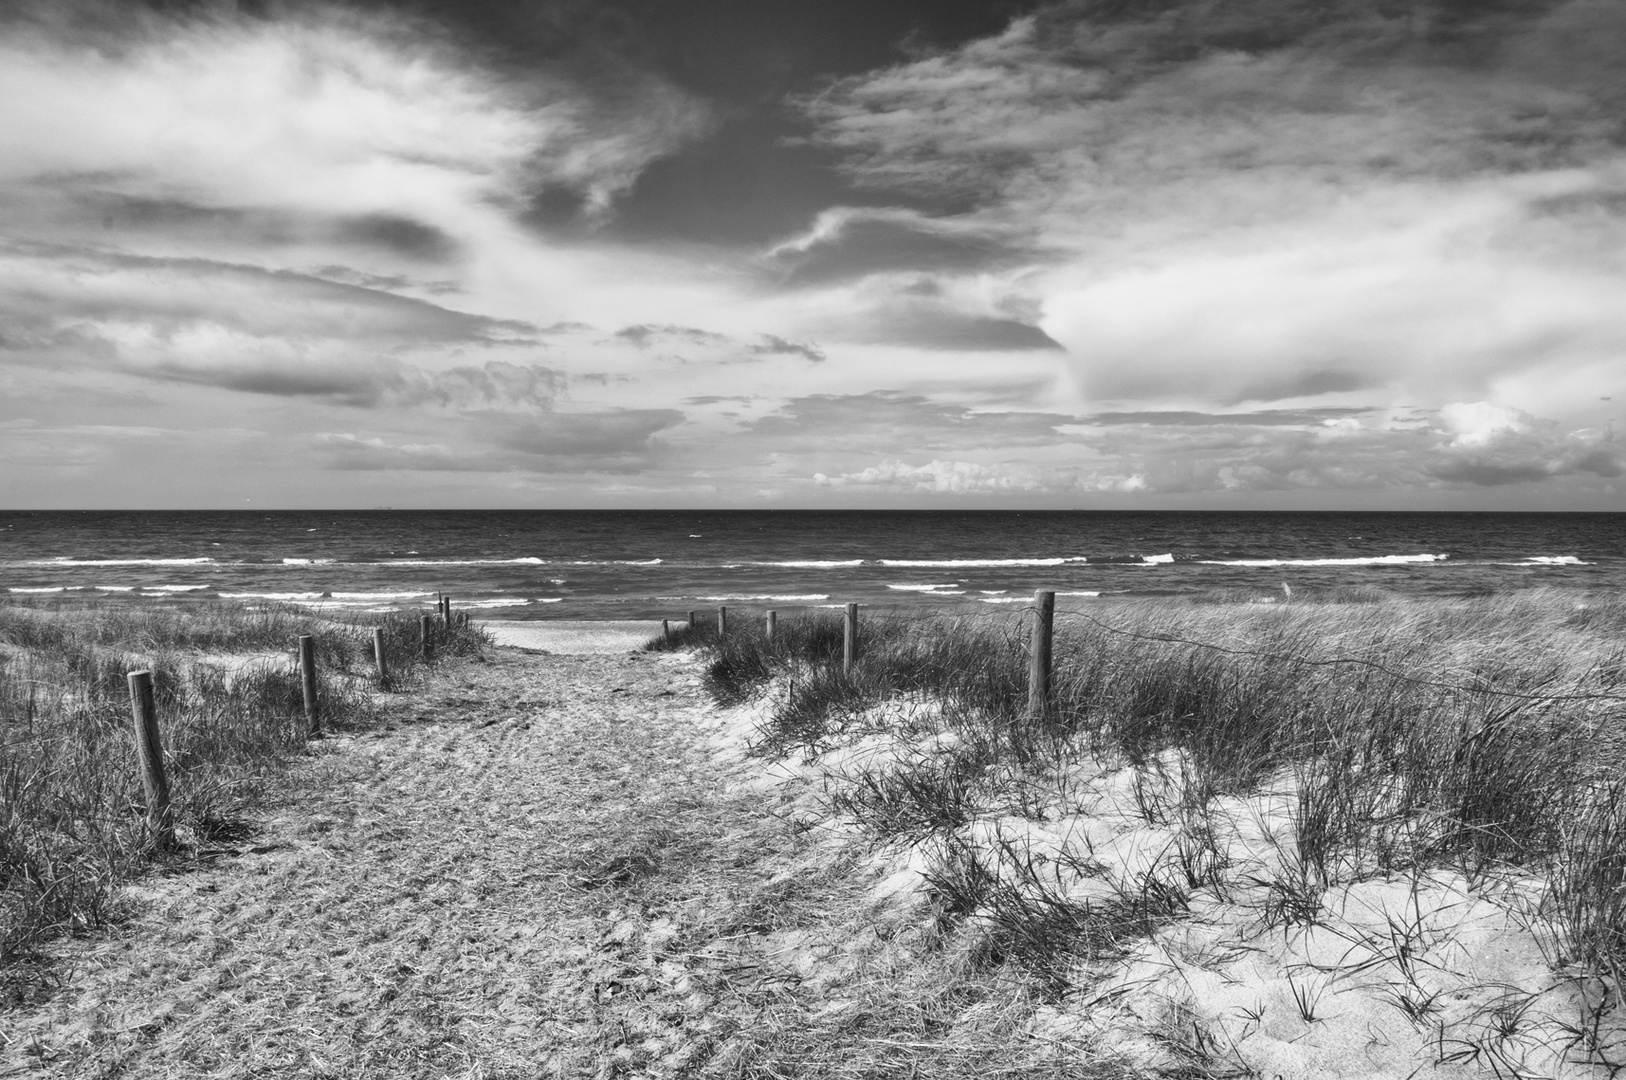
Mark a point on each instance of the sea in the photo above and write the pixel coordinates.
(558, 564)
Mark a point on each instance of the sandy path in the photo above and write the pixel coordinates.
(536, 869)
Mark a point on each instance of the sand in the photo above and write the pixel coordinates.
(571, 637)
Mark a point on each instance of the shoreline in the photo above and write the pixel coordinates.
(574, 637)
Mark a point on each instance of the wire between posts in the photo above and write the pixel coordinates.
(1014, 614)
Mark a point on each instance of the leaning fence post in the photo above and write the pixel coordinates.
(849, 643)
(666, 631)
(425, 637)
(1044, 620)
(773, 623)
(378, 656)
(150, 751)
(722, 621)
(307, 679)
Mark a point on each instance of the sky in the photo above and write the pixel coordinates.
(1205, 254)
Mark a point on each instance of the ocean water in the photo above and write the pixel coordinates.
(658, 564)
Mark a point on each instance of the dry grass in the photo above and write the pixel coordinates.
(1483, 738)
(71, 821)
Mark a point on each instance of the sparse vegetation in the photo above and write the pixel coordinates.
(230, 707)
(1370, 737)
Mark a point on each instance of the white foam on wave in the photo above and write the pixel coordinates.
(64, 561)
(1156, 560)
(506, 601)
(812, 564)
(379, 595)
(1372, 560)
(1552, 560)
(1080, 593)
(800, 598)
(270, 596)
(614, 562)
(47, 589)
(923, 588)
(1004, 599)
(114, 588)
(307, 562)
(173, 588)
(528, 560)
(923, 563)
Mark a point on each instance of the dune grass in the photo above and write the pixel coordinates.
(230, 708)
(1484, 735)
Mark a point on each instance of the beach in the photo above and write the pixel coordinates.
(575, 637)
(562, 854)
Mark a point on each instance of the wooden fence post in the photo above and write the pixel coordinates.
(378, 656)
(1044, 620)
(426, 647)
(693, 622)
(446, 611)
(773, 623)
(307, 679)
(666, 631)
(150, 751)
(849, 646)
(722, 621)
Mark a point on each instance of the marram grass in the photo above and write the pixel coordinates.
(230, 708)
(1485, 735)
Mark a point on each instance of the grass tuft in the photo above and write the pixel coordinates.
(230, 706)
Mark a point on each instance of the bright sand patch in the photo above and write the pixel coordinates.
(572, 637)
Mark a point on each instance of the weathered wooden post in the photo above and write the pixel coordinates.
(426, 647)
(446, 611)
(378, 656)
(666, 631)
(307, 680)
(773, 623)
(694, 624)
(849, 647)
(1044, 619)
(150, 752)
(722, 621)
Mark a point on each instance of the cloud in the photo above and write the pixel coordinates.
(643, 335)
(1187, 418)
(526, 387)
(377, 115)
(845, 243)
(773, 345)
(617, 441)
(1490, 446)
(930, 326)
(1255, 202)
(971, 478)
(117, 295)
(889, 419)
